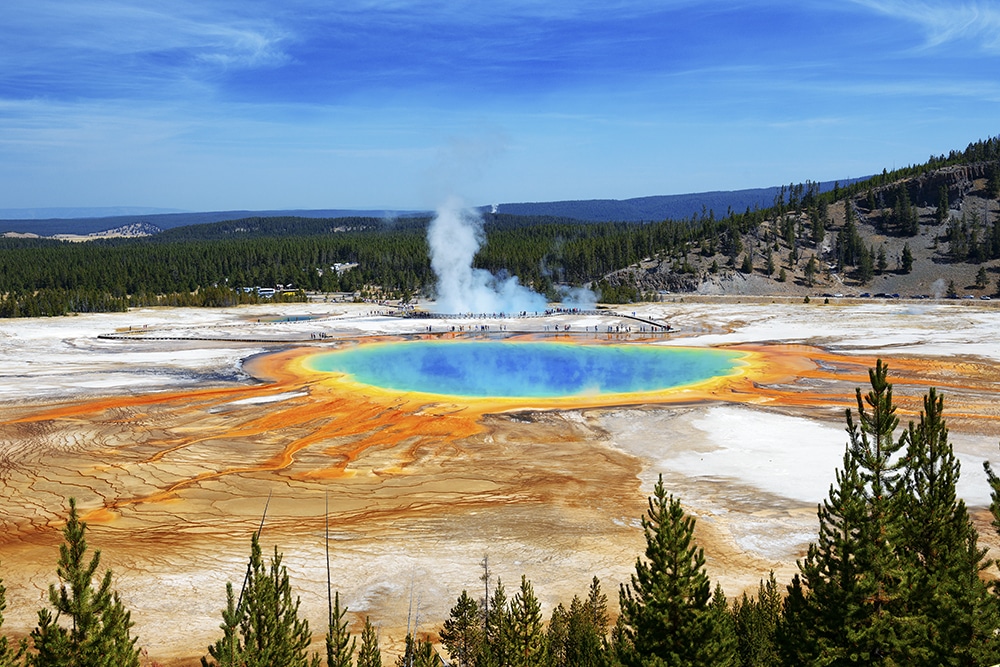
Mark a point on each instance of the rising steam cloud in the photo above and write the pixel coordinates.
(577, 297)
(454, 237)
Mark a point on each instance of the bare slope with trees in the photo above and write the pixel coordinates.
(930, 235)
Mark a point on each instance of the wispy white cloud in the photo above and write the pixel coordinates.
(368, 96)
(946, 21)
(94, 48)
(956, 89)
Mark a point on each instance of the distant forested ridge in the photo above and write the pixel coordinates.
(49, 222)
(216, 263)
(50, 226)
(659, 207)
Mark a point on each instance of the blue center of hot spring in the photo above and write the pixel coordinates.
(532, 370)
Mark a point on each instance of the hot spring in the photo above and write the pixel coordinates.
(525, 369)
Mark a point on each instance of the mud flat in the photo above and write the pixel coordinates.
(173, 431)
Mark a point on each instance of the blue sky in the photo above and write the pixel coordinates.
(265, 104)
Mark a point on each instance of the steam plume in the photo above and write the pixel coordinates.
(454, 237)
(939, 287)
(578, 297)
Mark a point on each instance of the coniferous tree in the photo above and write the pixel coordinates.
(527, 637)
(269, 631)
(418, 653)
(99, 634)
(596, 607)
(462, 635)
(427, 656)
(10, 656)
(726, 650)
(941, 214)
(904, 214)
(576, 636)
(812, 266)
(665, 614)
(819, 606)
(228, 650)
(993, 181)
(497, 647)
(50, 642)
(992, 241)
(619, 649)
(906, 263)
(584, 636)
(557, 636)
(117, 624)
(756, 621)
(850, 604)
(941, 550)
(339, 643)
(369, 654)
(819, 227)
(873, 446)
(866, 265)
(409, 656)
(982, 278)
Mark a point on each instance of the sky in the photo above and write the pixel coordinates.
(206, 105)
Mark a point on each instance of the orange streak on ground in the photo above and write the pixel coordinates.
(90, 408)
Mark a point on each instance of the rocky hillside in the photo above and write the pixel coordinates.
(915, 237)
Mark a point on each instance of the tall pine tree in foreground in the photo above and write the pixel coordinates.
(847, 607)
(228, 650)
(893, 578)
(262, 628)
(497, 650)
(10, 656)
(462, 635)
(369, 655)
(527, 640)
(942, 556)
(99, 632)
(666, 617)
(339, 643)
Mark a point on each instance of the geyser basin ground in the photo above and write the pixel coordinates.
(172, 452)
(526, 369)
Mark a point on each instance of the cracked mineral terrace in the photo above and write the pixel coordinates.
(172, 427)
